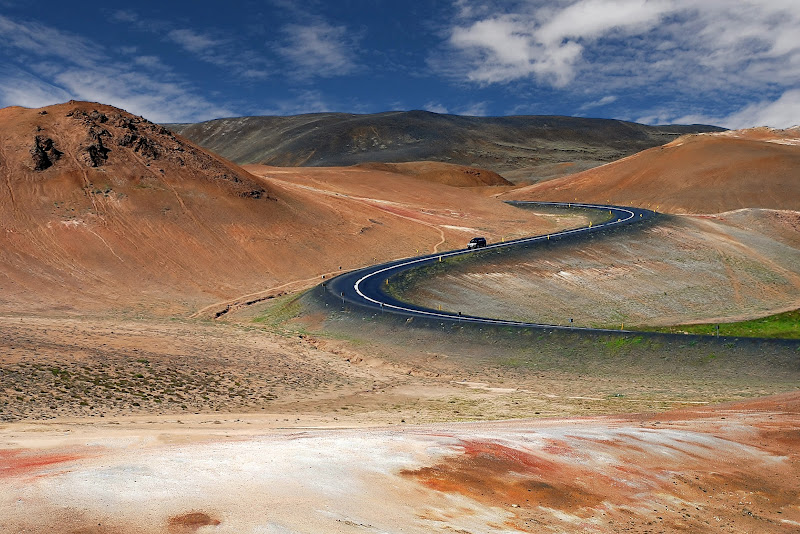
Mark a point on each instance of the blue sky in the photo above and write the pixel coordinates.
(734, 63)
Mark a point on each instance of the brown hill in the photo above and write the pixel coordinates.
(100, 206)
(442, 173)
(706, 173)
(102, 209)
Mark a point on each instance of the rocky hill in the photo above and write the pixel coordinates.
(523, 147)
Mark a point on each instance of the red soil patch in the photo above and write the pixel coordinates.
(16, 462)
(501, 475)
(190, 522)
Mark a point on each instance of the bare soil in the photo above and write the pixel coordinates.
(682, 269)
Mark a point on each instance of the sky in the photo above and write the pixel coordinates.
(731, 63)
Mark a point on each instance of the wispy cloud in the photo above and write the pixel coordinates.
(193, 41)
(158, 100)
(606, 100)
(228, 52)
(20, 88)
(302, 102)
(435, 107)
(319, 49)
(39, 40)
(54, 66)
(475, 109)
(732, 49)
(782, 112)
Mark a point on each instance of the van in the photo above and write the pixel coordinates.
(476, 242)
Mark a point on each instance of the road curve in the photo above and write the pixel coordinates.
(365, 287)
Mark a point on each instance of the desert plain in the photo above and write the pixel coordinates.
(167, 365)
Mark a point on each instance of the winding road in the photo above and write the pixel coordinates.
(365, 287)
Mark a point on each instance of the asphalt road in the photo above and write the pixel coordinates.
(365, 287)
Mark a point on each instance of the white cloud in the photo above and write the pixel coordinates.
(225, 51)
(781, 113)
(319, 49)
(504, 49)
(124, 15)
(545, 43)
(151, 62)
(713, 49)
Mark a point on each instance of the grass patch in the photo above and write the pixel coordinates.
(282, 310)
(781, 326)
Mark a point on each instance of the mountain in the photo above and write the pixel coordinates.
(705, 173)
(523, 147)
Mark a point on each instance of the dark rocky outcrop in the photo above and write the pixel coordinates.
(44, 153)
(96, 153)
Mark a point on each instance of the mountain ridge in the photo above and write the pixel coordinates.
(500, 144)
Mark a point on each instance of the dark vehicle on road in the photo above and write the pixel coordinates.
(477, 242)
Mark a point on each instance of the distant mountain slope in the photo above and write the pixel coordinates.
(497, 143)
(708, 173)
